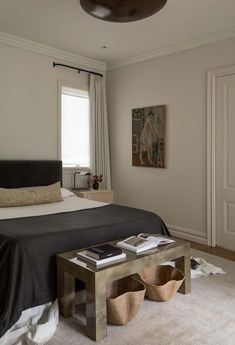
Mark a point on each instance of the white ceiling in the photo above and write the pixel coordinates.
(63, 24)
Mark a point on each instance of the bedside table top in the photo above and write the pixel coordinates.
(95, 191)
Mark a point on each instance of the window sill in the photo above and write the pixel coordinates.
(67, 169)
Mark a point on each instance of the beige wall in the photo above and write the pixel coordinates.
(28, 124)
(177, 193)
(28, 104)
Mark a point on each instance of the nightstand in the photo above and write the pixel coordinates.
(102, 195)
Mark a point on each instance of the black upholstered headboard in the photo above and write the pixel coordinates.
(28, 173)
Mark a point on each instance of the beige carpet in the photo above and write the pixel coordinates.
(206, 316)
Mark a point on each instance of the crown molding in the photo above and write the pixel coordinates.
(175, 48)
(39, 48)
(97, 65)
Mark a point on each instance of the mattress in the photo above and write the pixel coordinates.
(29, 244)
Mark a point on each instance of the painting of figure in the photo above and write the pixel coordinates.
(148, 136)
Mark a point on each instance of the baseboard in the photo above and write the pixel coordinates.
(187, 234)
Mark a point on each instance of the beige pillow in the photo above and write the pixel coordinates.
(30, 196)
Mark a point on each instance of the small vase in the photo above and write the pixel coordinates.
(96, 185)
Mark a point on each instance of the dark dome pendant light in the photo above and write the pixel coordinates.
(122, 11)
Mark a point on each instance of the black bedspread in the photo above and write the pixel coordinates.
(28, 247)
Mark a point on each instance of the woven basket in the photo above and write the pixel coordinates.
(124, 299)
(162, 282)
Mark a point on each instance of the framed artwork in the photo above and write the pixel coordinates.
(149, 136)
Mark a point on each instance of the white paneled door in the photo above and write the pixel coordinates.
(225, 161)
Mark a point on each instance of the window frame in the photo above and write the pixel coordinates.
(60, 86)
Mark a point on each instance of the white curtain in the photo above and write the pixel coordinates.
(100, 156)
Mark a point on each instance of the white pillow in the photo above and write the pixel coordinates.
(66, 193)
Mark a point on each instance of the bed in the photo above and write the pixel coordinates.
(29, 243)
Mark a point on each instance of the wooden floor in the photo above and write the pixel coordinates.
(223, 253)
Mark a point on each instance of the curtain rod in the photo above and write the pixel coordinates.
(77, 69)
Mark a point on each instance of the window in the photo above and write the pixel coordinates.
(75, 128)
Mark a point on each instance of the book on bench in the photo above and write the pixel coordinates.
(103, 251)
(101, 262)
(142, 243)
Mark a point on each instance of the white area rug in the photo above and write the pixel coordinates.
(206, 316)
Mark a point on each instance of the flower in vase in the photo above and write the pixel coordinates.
(95, 180)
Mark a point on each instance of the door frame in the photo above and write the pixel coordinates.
(212, 76)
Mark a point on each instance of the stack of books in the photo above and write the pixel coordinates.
(102, 255)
